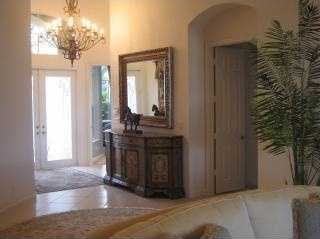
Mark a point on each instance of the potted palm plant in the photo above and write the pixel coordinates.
(286, 104)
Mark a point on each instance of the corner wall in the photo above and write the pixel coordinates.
(16, 153)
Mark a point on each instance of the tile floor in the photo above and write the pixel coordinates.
(103, 196)
(85, 198)
(98, 170)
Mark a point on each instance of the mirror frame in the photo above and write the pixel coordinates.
(162, 53)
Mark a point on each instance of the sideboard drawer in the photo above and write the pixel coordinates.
(127, 140)
(159, 142)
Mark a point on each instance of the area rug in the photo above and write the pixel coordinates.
(64, 179)
(70, 225)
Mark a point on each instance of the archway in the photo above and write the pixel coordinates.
(222, 24)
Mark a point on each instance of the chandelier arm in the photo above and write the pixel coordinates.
(85, 42)
(81, 38)
(93, 44)
(87, 45)
(64, 40)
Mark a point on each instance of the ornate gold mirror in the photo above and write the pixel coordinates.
(146, 86)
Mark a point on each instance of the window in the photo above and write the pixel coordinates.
(106, 93)
(132, 93)
(39, 46)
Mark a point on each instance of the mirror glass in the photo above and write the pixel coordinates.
(145, 87)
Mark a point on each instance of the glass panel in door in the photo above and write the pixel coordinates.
(58, 115)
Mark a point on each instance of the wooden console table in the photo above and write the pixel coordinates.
(147, 163)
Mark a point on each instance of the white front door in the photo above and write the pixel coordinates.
(230, 117)
(54, 121)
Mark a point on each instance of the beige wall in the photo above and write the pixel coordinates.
(96, 11)
(137, 25)
(16, 156)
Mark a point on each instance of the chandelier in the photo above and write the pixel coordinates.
(73, 35)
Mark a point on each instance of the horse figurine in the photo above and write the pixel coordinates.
(133, 120)
(156, 111)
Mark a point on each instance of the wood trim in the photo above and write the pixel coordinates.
(161, 53)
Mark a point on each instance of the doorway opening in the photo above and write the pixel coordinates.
(55, 133)
(100, 111)
(231, 143)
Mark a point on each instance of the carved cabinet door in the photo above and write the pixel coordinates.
(159, 168)
(132, 166)
(117, 163)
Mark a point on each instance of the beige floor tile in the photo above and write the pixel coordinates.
(98, 170)
(58, 208)
(103, 196)
(49, 197)
(69, 199)
(22, 212)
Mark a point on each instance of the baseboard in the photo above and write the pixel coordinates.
(198, 194)
(16, 203)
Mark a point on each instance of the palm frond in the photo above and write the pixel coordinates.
(286, 107)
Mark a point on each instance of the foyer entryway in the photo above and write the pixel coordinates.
(55, 144)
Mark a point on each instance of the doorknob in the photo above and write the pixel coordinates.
(44, 129)
(37, 130)
(242, 137)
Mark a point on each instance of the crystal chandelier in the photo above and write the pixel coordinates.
(73, 35)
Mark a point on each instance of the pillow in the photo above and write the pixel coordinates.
(271, 212)
(208, 231)
(306, 217)
(212, 231)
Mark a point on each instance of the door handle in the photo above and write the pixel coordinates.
(37, 130)
(242, 137)
(44, 129)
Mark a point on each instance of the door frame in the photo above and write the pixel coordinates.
(92, 160)
(209, 86)
(41, 162)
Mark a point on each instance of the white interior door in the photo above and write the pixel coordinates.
(230, 119)
(36, 119)
(54, 121)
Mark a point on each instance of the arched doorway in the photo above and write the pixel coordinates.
(223, 26)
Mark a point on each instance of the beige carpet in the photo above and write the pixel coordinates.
(64, 179)
(70, 225)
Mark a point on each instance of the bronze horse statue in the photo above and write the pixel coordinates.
(156, 111)
(133, 120)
